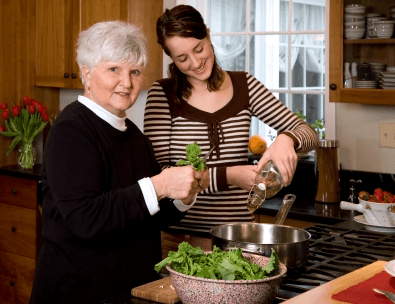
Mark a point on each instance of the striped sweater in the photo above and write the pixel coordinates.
(171, 128)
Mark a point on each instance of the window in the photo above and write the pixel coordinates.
(280, 42)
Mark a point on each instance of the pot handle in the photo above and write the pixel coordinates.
(351, 206)
(284, 209)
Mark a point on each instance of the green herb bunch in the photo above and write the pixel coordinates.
(220, 265)
(193, 152)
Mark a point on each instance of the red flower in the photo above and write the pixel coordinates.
(3, 106)
(32, 109)
(41, 109)
(44, 117)
(16, 110)
(34, 102)
(5, 114)
(26, 100)
(1, 128)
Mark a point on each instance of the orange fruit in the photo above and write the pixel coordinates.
(257, 144)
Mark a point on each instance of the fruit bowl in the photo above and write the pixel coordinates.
(194, 290)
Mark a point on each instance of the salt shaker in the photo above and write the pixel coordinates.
(347, 75)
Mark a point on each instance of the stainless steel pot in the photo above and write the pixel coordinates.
(291, 244)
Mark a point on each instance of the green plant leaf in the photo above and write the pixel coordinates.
(14, 142)
(25, 119)
(14, 125)
(41, 126)
(9, 134)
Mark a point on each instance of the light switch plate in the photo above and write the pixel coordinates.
(387, 135)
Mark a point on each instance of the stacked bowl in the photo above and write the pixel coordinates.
(392, 12)
(354, 21)
(377, 68)
(371, 20)
(387, 78)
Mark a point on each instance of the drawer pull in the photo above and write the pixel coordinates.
(13, 228)
(12, 283)
(14, 191)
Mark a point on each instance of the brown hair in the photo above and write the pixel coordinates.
(185, 21)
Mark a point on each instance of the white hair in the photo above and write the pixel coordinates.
(116, 41)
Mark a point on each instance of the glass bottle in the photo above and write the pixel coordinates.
(268, 182)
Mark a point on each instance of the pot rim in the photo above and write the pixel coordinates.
(260, 224)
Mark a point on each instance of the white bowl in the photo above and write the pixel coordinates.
(385, 28)
(355, 8)
(370, 15)
(379, 214)
(392, 9)
(358, 23)
(354, 32)
(351, 16)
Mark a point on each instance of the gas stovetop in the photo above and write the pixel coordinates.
(334, 252)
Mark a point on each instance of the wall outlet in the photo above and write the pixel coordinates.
(387, 135)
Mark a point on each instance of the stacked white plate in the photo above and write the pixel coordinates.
(354, 21)
(387, 79)
(365, 84)
(377, 68)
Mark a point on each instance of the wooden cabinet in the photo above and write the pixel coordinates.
(58, 23)
(20, 237)
(360, 50)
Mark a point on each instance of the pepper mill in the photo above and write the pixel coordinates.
(328, 172)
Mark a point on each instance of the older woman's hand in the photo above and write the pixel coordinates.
(178, 183)
(282, 153)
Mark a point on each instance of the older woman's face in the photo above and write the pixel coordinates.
(114, 86)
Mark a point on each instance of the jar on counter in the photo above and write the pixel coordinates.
(327, 172)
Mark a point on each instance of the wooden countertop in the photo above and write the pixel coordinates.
(323, 294)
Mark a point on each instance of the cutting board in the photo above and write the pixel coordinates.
(159, 291)
(323, 293)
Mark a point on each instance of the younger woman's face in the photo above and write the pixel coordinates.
(193, 57)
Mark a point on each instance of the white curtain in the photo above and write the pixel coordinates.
(270, 58)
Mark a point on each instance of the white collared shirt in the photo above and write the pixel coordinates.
(146, 185)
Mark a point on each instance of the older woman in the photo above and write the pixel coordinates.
(105, 196)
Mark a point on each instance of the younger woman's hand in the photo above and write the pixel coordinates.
(242, 176)
(282, 153)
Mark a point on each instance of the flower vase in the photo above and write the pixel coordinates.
(27, 156)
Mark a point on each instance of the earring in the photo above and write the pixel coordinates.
(89, 90)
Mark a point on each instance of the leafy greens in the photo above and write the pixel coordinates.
(193, 152)
(220, 265)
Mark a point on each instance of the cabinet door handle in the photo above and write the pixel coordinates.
(73, 76)
(13, 228)
(14, 191)
(66, 75)
(333, 86)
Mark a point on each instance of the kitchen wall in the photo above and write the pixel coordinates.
(357, 129)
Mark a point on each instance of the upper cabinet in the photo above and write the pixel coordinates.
(362, 50)
(58, 23)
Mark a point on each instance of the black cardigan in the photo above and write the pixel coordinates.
(100, 239)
